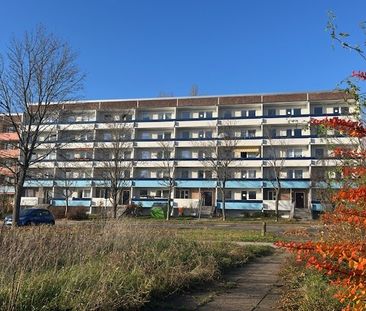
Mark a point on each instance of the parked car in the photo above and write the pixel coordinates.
(32, 216)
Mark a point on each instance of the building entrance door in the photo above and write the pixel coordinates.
(125, 197)
(207, 198)
(299, 200)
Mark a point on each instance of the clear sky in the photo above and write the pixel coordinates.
(136, 48)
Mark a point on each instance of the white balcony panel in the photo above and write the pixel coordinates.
(100, 202)
(76, 127)
(286, 141)
(75, 164)
(240, 122)
(47, 146)
(186, 203)
(112, 145)
(283, 205)
(246, 163)
(196, 123)
(114, 126)
(147, 163)
(43, 165)
(155, 125)
(45, 128)
(326, 162)
(335, 141)
(196, 143)
(191, 163)
(109, 164)
(152, 144)
(287, 120)
(249, 142)
(296, 163)
(29, 201)
(78, 145)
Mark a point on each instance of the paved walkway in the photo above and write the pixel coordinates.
(254, 287)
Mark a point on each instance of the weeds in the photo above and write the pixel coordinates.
(105, 265)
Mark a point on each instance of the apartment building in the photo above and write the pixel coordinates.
(9, 152)
(176, 137)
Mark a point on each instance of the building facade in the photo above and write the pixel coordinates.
(177, 137)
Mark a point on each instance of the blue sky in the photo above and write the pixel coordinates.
(131, 49)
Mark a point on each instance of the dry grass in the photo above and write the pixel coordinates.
(104, 266)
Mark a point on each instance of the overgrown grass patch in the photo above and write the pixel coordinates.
(106, 265)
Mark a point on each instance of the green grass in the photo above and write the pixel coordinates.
(106, 265)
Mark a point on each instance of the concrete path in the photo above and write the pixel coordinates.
(254, 287)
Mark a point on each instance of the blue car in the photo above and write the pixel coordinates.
(32, 217)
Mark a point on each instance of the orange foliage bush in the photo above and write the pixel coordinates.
(341, 251)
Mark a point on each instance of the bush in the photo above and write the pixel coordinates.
(77, 213)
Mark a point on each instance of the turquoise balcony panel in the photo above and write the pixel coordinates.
(7, 189)
(244, 184)
(196, 183)
(242, 205)
(38, 183)
(317, 207)
(73, 183)
(149, 183)
(107, 183)
(61, 202)
(324, 185)
(148, 203)
(289, 184)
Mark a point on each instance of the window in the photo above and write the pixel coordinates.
(158, 193)
(297, 112)
(143, 193)
(201, 134)
(208, 134)
(318, 111)
(244, 196)
(252, 195)
(201, 115)
(344, 110)
(30, 193)
(145, 116)
(270, 195)
(208, 114)
(243, 154)
(167, 135)
(107, 136)
(319, 153)
(186, 154)
(227, 114)
(127, 174)
(336, 110)
(297, 132)
(160, 136)
(298, 174)
(288, 111)
(145, 154)
(208, 174)
(201, 174)
(273, 133)
(244, 174)
(243, 113)
(252, 155)
(252, 173)
(251, 113)
(202, 154)
(168, 116)
(185, 174)
(102, 193)
(186, 115)
(185, 134)
(145, 135)
(227, 194)
(251, 133)
(298, 153)
(271, 112)
(182, 194)
(290, 173)
(288, 133)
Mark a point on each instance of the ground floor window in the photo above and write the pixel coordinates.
(182, 194)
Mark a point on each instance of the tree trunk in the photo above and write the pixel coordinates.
(223, 202)
(114, 204)
(169, 203)
(66, 206)
(278, 192)
(17, 198)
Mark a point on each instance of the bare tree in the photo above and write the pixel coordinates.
(276, 164)
(168, 172)
(37, 77)
(221, 159)
(117, 161)
(194, 90)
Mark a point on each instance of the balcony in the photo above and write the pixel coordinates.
(196, 123)
(195, 183)
(288, 184)
(156, 124)
(85, 202)
(283, 205)
(249, 205)
(244, 184)
(149, 203)
(9, 137)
